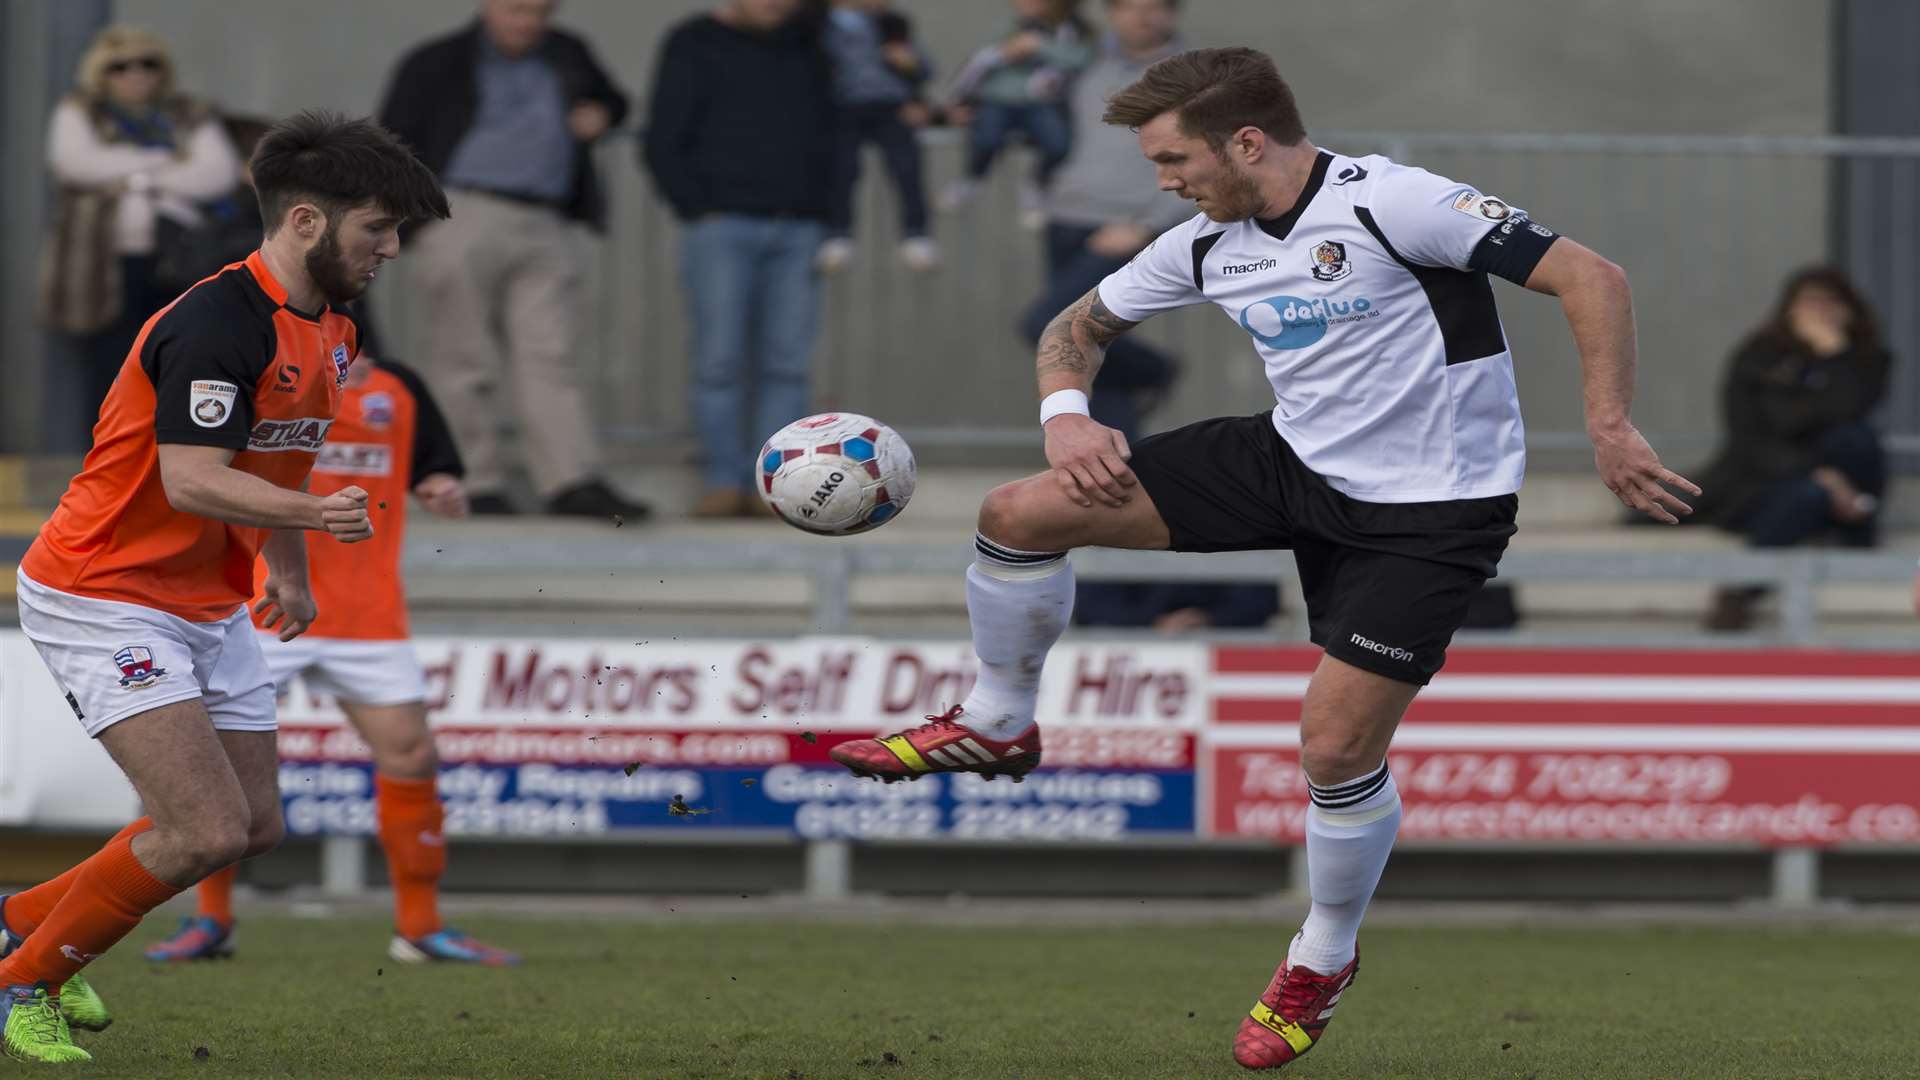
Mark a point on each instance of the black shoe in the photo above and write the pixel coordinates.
(489, 505)
(595, 499)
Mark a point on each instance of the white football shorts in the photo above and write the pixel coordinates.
(115, 660)
(356, 672)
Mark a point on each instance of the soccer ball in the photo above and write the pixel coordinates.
(836, 474)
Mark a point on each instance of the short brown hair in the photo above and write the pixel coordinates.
(1214, 93)
(339, 163)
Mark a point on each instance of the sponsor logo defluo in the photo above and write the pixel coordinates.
(1301, 322)
(1391, 652)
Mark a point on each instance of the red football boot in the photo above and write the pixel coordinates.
(1288, 1019)
(939, 746)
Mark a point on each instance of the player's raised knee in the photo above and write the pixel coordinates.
(1020, 516)
(999, 515)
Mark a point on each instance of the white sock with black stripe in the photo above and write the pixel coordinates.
(1350, 831)
(1019, 603)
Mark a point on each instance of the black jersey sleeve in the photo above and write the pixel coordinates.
(433, 447)
(1513, 248)
(1434, 221)
(205, 365)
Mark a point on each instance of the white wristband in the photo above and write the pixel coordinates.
(1063, 401)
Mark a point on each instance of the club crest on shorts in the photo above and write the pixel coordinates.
(136, 667)
(341, 362)
(1330, 261)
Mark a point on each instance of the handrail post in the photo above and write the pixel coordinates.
(1799, 614)
(343, 864)
(833, 591)
(1796, 877)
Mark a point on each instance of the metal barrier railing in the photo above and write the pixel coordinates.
(831, 568)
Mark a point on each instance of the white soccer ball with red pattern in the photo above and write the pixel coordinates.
(836, 474)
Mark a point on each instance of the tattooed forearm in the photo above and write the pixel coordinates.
(1058, 354)
(1073, 344)
(1109, 325)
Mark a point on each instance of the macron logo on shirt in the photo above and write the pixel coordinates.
(1249, 268)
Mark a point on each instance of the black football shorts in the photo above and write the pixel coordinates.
(1386, 584)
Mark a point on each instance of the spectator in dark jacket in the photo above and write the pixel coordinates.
(1801, 457)
(738, 135)
(506, 111)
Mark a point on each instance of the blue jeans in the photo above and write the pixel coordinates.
(1045, 126)
(753, 306)
(1790, 512)
(899, 149)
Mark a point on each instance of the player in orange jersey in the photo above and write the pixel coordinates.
(391, 439)
(135, 591)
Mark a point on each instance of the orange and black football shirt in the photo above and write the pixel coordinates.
(227, 364)
(388, 437)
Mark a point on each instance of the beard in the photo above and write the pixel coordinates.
(329, 273)
(1236, 196)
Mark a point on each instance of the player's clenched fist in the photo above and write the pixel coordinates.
(1090, 460)
(343, 515)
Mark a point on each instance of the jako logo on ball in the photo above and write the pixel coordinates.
(1302, 322)
(824, 492)
(836, 474)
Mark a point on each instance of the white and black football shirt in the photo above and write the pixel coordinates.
(1369, 304)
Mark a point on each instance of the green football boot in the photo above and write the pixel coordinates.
(35, 1029)
(82, 1007)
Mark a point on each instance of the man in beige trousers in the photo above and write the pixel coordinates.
(506, 111)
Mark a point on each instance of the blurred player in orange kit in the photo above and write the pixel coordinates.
(135, 592)
(391, 439)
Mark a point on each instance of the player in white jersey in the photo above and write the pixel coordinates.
(1389, 463)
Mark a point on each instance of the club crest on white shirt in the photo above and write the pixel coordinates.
(1330, 261)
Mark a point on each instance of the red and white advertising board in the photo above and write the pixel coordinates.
(1543, 746)
(1574, 745)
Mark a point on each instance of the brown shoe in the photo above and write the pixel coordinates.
(1733, 609)
(753, 506)
(720, 503)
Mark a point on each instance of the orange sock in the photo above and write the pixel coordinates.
(216, 895)
(23, 912)
(108, 897)
(410, 832)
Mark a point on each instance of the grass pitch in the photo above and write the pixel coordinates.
(316, 998)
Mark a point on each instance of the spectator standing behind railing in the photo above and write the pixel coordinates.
(1017, 84)
(1104, 206)
(1800, 457)
(878, 70)
(506, 112)
(127, 152)
(737, 140)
